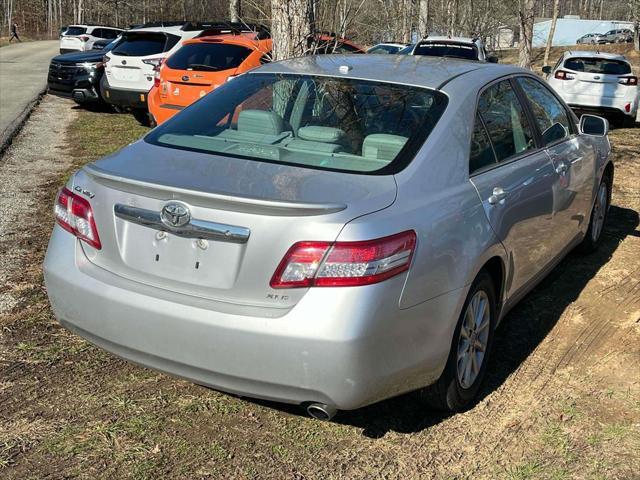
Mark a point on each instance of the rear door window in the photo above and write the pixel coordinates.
(481, 154)
(505, 120)
(604, 66)
(451, 50)
(143, 44)
(208, 57)
(551, 116)
(76, 31)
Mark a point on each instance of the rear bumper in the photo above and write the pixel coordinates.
(344, 347)
(627, 105)
(161, 112)
(121, 97)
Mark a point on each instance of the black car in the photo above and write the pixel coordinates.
(77, 75)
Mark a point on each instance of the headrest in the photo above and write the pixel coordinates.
(260, 121)
(321, 134)
(382, 146)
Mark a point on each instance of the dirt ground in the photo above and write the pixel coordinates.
(562, 400)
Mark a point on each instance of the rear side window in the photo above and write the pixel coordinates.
(109, 33)
(76, 31)
(506, 121)
(597, 65)
(550, 115)
(451, 50)
(143, 44)
(208, 57)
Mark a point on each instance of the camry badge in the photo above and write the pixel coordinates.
(175, 215)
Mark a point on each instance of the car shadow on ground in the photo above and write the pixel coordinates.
(516, 338)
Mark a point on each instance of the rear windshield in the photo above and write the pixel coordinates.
(451, 50)
(385, 49)
(325, 123)
(75, 31)
(143, 44)
(208, 57)
(598, 65)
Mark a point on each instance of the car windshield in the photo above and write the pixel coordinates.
(75, 31)
(208, 57)
(384, 49)
(143, 44)
(453, 50)
(598, 65)
(325, 123)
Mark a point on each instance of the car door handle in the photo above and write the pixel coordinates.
(562, 169)
(498, 195)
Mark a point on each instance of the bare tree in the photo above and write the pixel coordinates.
(552, 31)
(423, 17)
(234, 10)
(292, 25)
(525, 45)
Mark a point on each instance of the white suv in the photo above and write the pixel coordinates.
(131, 66)
(594, 82)
(80, 38)
(453, 47)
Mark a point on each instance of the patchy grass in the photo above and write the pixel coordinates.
(77, 411)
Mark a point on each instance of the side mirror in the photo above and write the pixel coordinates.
(593, 125)
(546, 69)
(492, 59)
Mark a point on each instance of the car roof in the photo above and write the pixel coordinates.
(391, 44)
(592, 54)
(175, 29)
(91, 25)
(415, 70)
(442, 38)
(248, 39)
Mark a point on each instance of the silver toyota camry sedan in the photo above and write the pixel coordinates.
(331, 231)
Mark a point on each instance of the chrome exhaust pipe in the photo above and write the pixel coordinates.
(321, 411)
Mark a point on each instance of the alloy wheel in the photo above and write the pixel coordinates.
(599, 212)
(474, 337)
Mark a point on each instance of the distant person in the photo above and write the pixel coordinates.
(14, 33)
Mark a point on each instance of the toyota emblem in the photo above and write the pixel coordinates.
(124, 62)
(175, 215)
(185, 78)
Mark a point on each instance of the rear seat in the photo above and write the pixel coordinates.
(382, 146)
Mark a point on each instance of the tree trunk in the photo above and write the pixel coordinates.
(291, 27)
(526, 17)
(552, 31)
(636, 35)
(423, 18)
(234, 10)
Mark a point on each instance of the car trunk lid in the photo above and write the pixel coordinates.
(252, 212)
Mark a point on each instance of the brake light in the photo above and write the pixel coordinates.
(156, 63)
(562, 75)
(84, 38)
(632, 81)
(156, 78)
(75, 215)
(345, 264)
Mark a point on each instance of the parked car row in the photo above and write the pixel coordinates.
(620, 35)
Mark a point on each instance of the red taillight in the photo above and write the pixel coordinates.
(562, 75)
(631, 81)
(344, 264)
(75, 215)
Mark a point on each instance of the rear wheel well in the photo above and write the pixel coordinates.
(608, 175)
(495, 268)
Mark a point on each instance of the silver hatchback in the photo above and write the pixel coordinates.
(331, 232)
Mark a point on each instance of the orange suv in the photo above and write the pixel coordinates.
(201, 65)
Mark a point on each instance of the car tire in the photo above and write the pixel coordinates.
(598, 219)
(628, 121)
(454, 392)
(142, 116)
